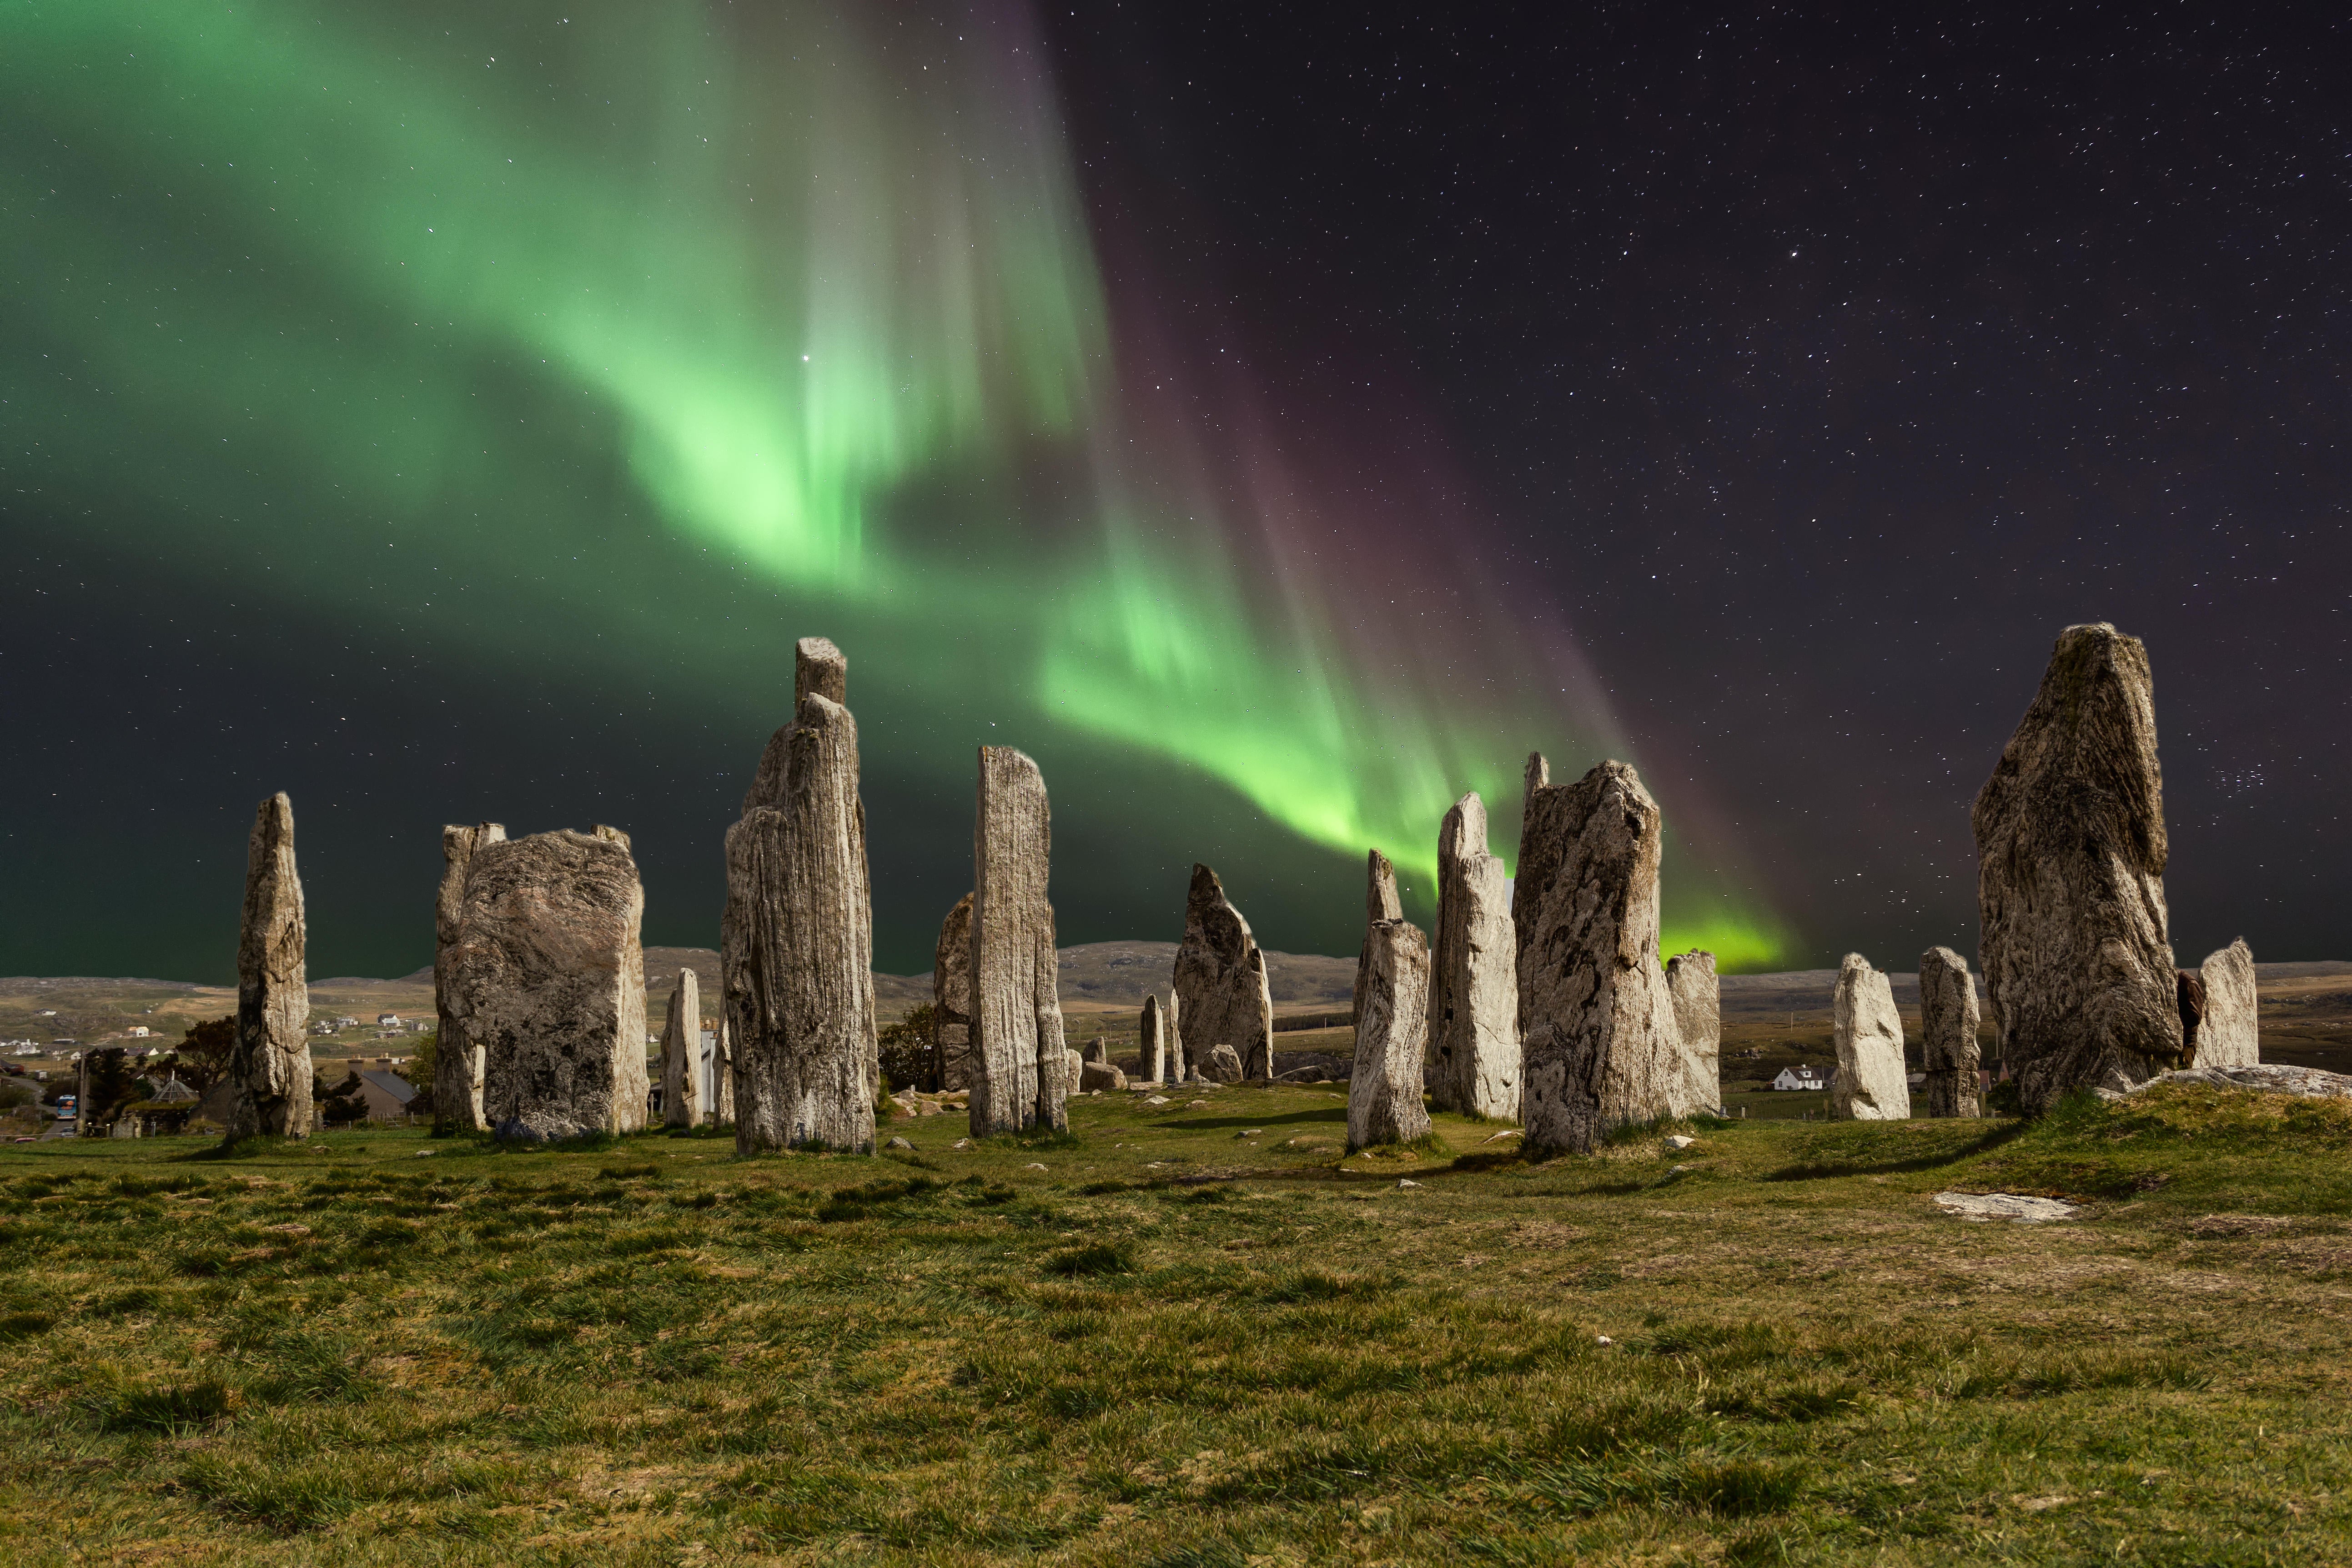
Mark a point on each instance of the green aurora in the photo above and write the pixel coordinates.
(476, 325)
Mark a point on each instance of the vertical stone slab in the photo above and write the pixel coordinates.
(271, 1064)
(1154, 1039)
(722, 1073)
(1384, 1102)
(1948, 1015)
(1698, 1025)
(1596, 1023)
(1222, 981)
(1180, 1063)
(456, 1061)
(682, 1069)
(1021, 1073)
(1871, 1085)
(952, 999)
(797, 938)
(2070, 878)
(1474, 982)
(547, 979)
(2229, 1035)
(1380, 903)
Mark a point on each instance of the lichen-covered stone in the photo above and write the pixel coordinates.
(1697, 998)
(547, 979)
(1180, 1060)
(1384, 1103)
(1222, 1065)
(1221, 980)
(1094, 1076)
(1380, 903)
(1872, 1084)
(1153, 1038)
(2229, 1032)
(270, 1064)
(2070, 878)
(683, 1065)
(1948, 1015)
(1021, 1066)
(1473, 981)
(952, 999)
(456, 1062)
(1596, 1027)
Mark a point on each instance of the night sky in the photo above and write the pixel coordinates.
(1275, 420)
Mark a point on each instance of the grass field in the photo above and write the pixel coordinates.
(1196, 1336)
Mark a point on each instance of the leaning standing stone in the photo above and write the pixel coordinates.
(548, 981)
(951, 998)
(1021, 1073)
(2229, 1035)
(1380, 903)
(1596, 1023)
(1948, 1014)
(1392, 1037)
(456, 1062)
(1871, 1085)
(1699, 1022)
(682, 1061)
(1220, 979)
(271, 1064)
(1474, 982)
(2069, 880)
(1154, 1063)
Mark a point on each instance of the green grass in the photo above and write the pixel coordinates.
(1198, 1336)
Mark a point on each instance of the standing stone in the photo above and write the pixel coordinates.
(456, 1061)
(1099, 1050)
(682, 1058)
(797, 939)
(1179, 1066)
(1222, 1065)
(1871, 1083)
(1698, 1024)
(2069, 880)
(1153, 1064)
(1392, 1038)
(722, 1073)
(1473, 982)
(1596, 1022)
(1021, 1071)
(547, 980)
(1948, 1015)
(1221, 980)
(952, 999)
(1380, 903)
(271, 1063)
(2228, 1033)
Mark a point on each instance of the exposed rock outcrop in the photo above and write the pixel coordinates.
(1697, 999)
(951, 998)
(547, 979)
(2070, 878)
(1948, 1015)
(1596, 1023)
(2228, 1031)
(1473, 978)
(456, 1061)
(1380, 903)
(1154, 1041)
(271, 1062)
(1221, 980)
(1871, 1083)
(684, 1083)
(1391, 1038)
(1021, 1071)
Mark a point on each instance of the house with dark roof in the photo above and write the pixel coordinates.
(387, 1095)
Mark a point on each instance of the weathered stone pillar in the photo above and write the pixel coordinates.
(1221, 980)
(1380, 903)
(952, 999)
(1020, 1072)
(456, 1061)
(682, 1066)
(1871, 1084)
(1948, 1015)
(1180, 1060)
(2069, 880)
(1596, 1023)
(271, 1064)
(1473, 982)
(1698, 997)
(1153, 1064)
(1391, 1038)
(797, 940)
(2228, 1033)
(722, 1072)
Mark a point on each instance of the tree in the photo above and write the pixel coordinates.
(419, 1069)
(344, 1104)
(906, 1050)
(112, 1086)
(201, 1060)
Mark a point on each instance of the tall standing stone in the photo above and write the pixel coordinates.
(2228, 1031)
(1473, 982)
(1871, 1084)
(2070, 878)
(456, 1061)
(951, 998)
(722, 1072)
(547, 980)
(1021, 1074)
(271, 1062)
(1154, 1040)
(1698, 1024)
(1392, 1038)
(797, 938)
(1221, 980)
(1948, 1015)
(1380, 903)
(1180, 1061)
(683, 1064)
(1596, 1023)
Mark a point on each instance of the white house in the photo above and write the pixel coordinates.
(388, 1020)
(1803, 1078)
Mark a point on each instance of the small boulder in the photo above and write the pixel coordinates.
(1156, 1099)
(1095, 1076)
(898, 1143)
(1222, 1064)
(1679, 1142)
